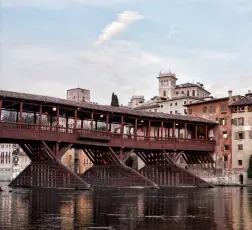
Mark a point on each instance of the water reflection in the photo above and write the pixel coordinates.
(213, 209)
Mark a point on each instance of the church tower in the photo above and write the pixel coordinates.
(167, 84)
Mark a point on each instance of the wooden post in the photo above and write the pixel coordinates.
(206, 132)
(149, 129)
(162, 130)
(107, 123)
(185, 130)
(173, 130)
(135, 132)
(196, 132)
(1, 104)
(34, 118)
(121, 153)
(20, 114)
(96, 125)
(40, 115)
(92, 121)
(122, 129)
(57, 150)
(57, 119)
(75, 119)
(67, 124)
(81, 123)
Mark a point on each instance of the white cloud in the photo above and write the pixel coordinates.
(124, 20)
(114, 66)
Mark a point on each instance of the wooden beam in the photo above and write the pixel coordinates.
(49, 151)
(64, 150)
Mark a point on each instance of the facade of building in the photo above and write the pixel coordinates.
(78, 94)
(20, 162)
(172, 97)
(6, 161)
(218, 110)
(241, 111)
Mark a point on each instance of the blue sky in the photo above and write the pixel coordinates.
(121, 45)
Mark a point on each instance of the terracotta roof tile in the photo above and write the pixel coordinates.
(100, 108)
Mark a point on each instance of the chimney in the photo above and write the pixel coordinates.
(230, 94)
(249, 91)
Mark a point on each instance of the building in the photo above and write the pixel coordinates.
(20, 162)
(241, 111)
(218, 110)
(171, 97)
(6, 161)
(78, 94)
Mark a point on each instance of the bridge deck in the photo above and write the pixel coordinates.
(9, 132)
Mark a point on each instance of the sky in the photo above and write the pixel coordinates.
(49, 46)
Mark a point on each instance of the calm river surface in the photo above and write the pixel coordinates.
(173, 208)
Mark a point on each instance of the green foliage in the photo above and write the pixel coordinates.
(250, 168)
(114, 100)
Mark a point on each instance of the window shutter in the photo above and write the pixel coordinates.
(235, 121)
(250, 134)
(243, 134)
(236, 136)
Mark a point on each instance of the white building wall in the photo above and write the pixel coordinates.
(246, 152)
(6, 165)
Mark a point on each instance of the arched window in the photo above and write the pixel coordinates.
(164, 93)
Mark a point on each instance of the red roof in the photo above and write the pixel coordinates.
(99, 108)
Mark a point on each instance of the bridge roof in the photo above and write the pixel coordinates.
(40, 99)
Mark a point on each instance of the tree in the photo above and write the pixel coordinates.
(114, 100)
(250, 168)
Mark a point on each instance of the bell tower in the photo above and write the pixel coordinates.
(167, 84)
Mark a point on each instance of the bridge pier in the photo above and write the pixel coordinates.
(45, 170)
(162, 169)
(109, 171)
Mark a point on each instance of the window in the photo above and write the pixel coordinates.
(225, 158)
(240, 162)
(176, 103)
(161, 106)
(176, 111)
(240, 147)
(223, 121)
(224, 108)
(211, 109)
(155, 110)
(224, 134)
(188, 93)
(193, 93)
(189, 111)
(241, 121)
(182, 92)
(164, 93)
(239, 135)
(190, 102)
(170, 112)
(217, 119)
(204, 109)
(184, 102)
(226, 147)
(171, 104)
(185, 111)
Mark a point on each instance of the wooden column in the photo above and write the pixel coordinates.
(121, 130)
(135, 131)
(34, 118)
(149, 128)
(57, 118)
(96, 125)
(185, 131)
(1, 104)
(162, 130)
(110, 126)
(57, 150)
(67, 124)
(40, 115)
(75, 119)
(206, 132)
(107, 123)
(173, 130)
(81, 123)
(20, 113)
(92, 121)
(196, 132)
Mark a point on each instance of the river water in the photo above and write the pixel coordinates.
(126, 209)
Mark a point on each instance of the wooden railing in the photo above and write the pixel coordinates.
(96, 134)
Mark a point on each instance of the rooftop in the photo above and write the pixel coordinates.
(208, 101)
(39, 99)
(243, 101)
